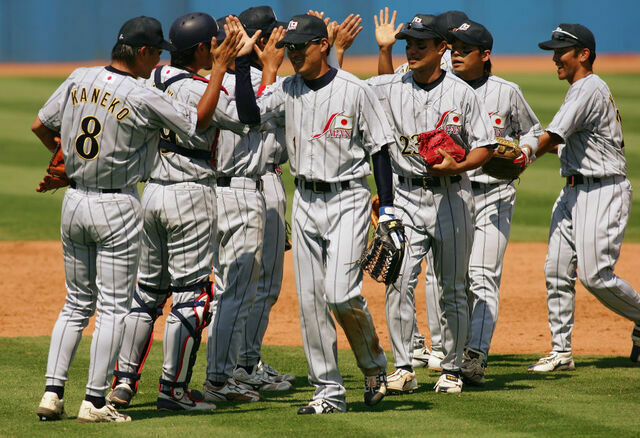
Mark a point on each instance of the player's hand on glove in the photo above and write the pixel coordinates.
(508, 160)
(440, 152)
(56, 176)
(388, 214)
(525, 158)
(386, 28)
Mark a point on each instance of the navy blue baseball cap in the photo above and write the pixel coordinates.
(473, 33)
(423, 26)
(260, 18)
(191, 29)
(303, 28)
(143, 31)
(570, 35)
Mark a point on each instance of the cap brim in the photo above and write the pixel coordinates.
(295, 38)
(419, 34)
(557, 44)
(466, 39)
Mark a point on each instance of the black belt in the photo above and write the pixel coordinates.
(477, 185)
(573, 180)
(428, 181)
(225, 181)
(73, 185)
(320, 186)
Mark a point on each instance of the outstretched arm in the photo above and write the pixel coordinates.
(548, 142)
(346, 33)
(476, 158)
(386, 31)
(271, 57)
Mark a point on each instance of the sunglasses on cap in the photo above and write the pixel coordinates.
(292, 47)
(563, 35)
(416, 25)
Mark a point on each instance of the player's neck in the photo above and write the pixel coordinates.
(119, 65)
(427, 75)
(322, 69)
(580, 74)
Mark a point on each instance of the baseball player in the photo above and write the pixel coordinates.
(273, 244)
(385, 32)
(179, 212)
(592, 210)
(512, 119)
(435, 203)
(333, 124)
(240, 163)
(109, 127)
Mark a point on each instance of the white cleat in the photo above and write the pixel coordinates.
(435, 360)
(555, 361)
(318, 407)
(421, 357)
(402, 382)
(107, 414)
(473, 366)
(231, 390)
(448, 384)
(277, 375)
(635, 350)
(259, 380)
(51, 407)
(181, 400)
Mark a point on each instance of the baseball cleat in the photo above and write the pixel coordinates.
(435, 360)
(317, 407)
(181, 400)
(51, 408)
(375, 388)
(120, 396)
(107, 414)
(259, 380)
(555, 361)
(231, 390)
(448, 383)
(420, 357)
(473, 366)
(277, 375)
(402, 382)
(635, 350)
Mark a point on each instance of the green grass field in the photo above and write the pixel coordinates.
(27, 215)
(601, 398)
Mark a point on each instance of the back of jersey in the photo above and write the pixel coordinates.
(108, 121)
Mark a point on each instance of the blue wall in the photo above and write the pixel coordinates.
(75, 30)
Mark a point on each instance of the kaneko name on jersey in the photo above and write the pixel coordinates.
(98, 97)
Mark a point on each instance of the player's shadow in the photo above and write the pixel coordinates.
(606, 362)
(392, 403)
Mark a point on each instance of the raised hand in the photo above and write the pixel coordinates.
(386, 28)
(225, 54)
(347, 32)
(271, 57)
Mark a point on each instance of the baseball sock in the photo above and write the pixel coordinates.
(97, 402)
(59, 390)
(406, 368)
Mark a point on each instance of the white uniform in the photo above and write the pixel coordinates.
(512, 118)
(437, 212)
(110, 127)
(240, 164)
(331, 131)
(179, 208)
(272, 261)
(590, 216)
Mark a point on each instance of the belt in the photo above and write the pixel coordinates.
(321, 186)
(427, 182)
(274, 168)
(477, 185)
(73, 185)
(225, 181)
(574, 180)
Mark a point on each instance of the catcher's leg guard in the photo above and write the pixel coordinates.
(183, 332)
(138, 334)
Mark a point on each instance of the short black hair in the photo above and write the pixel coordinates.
(186, 57)
(487, 68)
(592, 54)
(124, 53)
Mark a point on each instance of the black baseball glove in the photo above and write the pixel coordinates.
(382, 259)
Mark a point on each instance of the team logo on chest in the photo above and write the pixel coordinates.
(498, 122)
(338, 126)
(451, 122)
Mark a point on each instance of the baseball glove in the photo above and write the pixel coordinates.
(431, 141)
(507, 161)
(382, 259)
(56, 177)
(375, 210)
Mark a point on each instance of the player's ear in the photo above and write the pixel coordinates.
(324, 45)
(583, 54)
(441, 47)
(485, 55)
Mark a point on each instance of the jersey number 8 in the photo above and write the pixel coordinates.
(91, 128)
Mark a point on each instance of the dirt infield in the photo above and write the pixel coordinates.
(32, 288)
(367, 65)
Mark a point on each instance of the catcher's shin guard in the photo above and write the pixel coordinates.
(138, 334)
(181, 346)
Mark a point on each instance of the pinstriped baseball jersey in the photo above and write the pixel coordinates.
(589, 123)
(451, 105)
(174, 167)
(332, 141)
(511, 117)
(119, 122)
(247, 155)
(445, 64)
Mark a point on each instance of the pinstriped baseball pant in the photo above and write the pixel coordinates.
(329, 233)
(587, 228)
